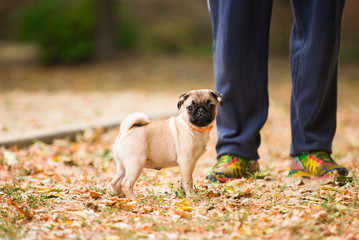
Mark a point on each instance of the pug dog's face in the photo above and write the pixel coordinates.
(200, 106)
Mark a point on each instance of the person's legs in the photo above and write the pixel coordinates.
(240, 44)
(314, 51)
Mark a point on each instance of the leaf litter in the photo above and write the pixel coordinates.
(45, 197)
(62, 191)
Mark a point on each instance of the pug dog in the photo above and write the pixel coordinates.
(177, 141)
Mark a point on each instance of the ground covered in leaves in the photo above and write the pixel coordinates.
(62, 190)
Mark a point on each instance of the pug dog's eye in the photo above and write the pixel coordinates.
(190, 108)
(211, 106)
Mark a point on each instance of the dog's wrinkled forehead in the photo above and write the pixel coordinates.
(200, 96)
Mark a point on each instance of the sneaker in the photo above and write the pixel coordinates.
(315, 164)
(230, 167)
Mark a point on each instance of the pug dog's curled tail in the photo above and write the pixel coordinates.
(132, 120)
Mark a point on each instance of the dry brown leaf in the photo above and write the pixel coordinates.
(246, 193)
(270, 208)
(28, 213)
(182, 213)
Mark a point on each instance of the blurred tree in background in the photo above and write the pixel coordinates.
(67, 31)
(105, 29)
(63, 30)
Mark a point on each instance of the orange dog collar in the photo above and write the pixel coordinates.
(198, 128)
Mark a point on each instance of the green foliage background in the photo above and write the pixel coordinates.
(63, 30)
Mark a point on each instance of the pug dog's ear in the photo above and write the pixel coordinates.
(181, 100)
(217, 96)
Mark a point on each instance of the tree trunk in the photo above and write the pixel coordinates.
(105, 29)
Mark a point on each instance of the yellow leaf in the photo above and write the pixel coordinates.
(186, 208)
(112, 237)
(40, 188)
(53, 195)
(230, 188)
(52, 190)
(331, 188)
(41, 176)
(132, 204)
(181, 203)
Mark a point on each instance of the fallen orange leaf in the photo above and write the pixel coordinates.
(28, 214)
(95, 194)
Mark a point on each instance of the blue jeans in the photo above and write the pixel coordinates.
(240, 43)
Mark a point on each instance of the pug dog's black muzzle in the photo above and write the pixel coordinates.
(201, 116)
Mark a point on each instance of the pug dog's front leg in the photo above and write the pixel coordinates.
(186, 168)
